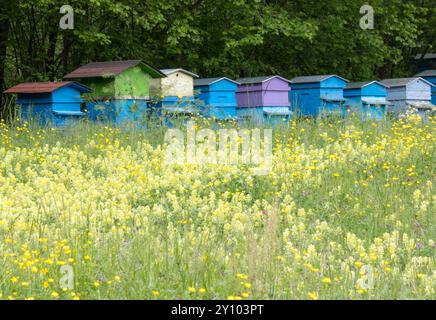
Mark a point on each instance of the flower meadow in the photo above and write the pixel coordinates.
(347, 212)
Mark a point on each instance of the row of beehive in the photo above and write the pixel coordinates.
(120, 91)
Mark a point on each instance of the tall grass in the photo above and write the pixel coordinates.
(343, 194)
(8, 108)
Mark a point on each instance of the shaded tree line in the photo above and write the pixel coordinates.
(220, 37)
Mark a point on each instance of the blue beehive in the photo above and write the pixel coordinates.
(218, 96)
(425, 61)
(317, 95)
(406, 94)
(367, 97)
(117, 110)
(430, 76)
(55, 103)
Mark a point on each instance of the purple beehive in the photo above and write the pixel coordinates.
(263, 98)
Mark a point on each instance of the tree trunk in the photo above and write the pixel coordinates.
(4, 34)
(51, 52)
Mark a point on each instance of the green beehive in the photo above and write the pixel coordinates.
(120, 89)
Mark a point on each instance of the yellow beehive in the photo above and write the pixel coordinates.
(177, 83)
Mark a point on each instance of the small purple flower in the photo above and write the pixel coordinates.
(264, 212)
(419, 245)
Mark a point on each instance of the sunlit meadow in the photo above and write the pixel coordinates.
(347, 212)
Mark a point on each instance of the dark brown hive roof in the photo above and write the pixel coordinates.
(110, 69)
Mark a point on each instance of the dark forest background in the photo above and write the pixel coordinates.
(217, 37)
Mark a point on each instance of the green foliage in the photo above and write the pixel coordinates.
(220, 37)
(347, 212)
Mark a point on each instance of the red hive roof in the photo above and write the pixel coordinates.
(44, 87)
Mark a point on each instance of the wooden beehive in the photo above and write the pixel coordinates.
(54, 103)
(316, 95)
(121, 89)
(368, 97)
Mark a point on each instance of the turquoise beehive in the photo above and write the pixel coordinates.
(430, 76)
(50, 103)
(367, 97)
(318, 95)
(218, 96)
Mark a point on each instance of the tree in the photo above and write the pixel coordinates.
(220, 37)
